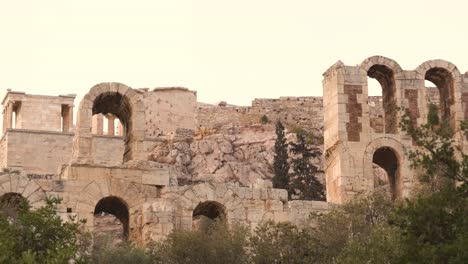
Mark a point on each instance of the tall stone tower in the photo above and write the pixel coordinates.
(353, 144)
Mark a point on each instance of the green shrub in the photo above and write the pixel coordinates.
(264, 119)
(281, 243)
(105, 251)
(219, 244)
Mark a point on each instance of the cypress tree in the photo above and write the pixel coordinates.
(303, 182)
(280, 161)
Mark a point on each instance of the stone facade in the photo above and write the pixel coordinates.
(157, 160)
(354, 141)
(141, 157)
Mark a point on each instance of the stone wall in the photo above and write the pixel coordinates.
(38, 112)
(300, 211)
(3, 152)
(38, 151)
(167, 109)
(304, 112)
(44, 152)
(108, 150)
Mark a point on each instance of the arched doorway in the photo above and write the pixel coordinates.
(111, 106)
(444, 98)
(385, 77)
(111, 218)
(206, 213)
(10, 204)
(387, 174)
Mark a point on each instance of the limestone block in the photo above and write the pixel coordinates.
(156, 177)
(281, 216)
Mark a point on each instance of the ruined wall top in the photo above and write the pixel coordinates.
(37, 112)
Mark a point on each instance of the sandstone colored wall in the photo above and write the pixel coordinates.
(108, 150)
(42, 152)
(304, 112)
(38, 112)
(38, 151)
(3, 152)
(357, 126)
(168, 109)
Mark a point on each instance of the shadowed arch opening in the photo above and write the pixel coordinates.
(386, 78)
(206, 213)
(387, 159)
(111, 217)
(443, 80)
(114, 105)
(10, 204)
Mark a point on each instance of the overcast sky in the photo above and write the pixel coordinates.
(234, 50)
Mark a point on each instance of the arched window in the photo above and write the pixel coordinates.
(444, 97)
(113, 106)
(111, 217)
(383, 114)
(10, 205)
(388, 173)
(206, 213)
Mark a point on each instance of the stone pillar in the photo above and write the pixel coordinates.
(7, 116)
(67, 118)
(110, 125)
(120, 128)
(97, 127)
(70, 118)
(345, 127)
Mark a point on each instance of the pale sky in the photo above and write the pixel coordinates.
(226, 50)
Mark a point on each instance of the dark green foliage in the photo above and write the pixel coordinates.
(105, 251)
(433, 115)
(264, 119)
(434, 228)
(220, 244)
(310, 137)
(347, 231)
(280, 161)
(40, 236)
(303, 182)
(434, 224)
(282, 243)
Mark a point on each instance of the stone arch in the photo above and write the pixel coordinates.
(211, 209)
(10, 204)
(389, 154)
(120, 100)
(446, 76)
(380, 60)
(384, 71)
(205, 213)
(116, 208)
(27, 188)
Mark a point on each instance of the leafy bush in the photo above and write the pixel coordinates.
(219, 244)
(105, 251)
(281, 243)
(40, 236)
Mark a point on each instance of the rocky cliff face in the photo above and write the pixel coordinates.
(234, 144)
(240, 155)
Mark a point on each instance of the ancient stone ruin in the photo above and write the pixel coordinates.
(139, 163)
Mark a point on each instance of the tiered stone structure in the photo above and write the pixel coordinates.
(353, 143)
(99, 173)
(157, 160)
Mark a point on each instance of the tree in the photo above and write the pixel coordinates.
(354, 230)
(434, 224)
(40, 236)
(303, 182)
(280, 161)
(281, 243)
(220, 244)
